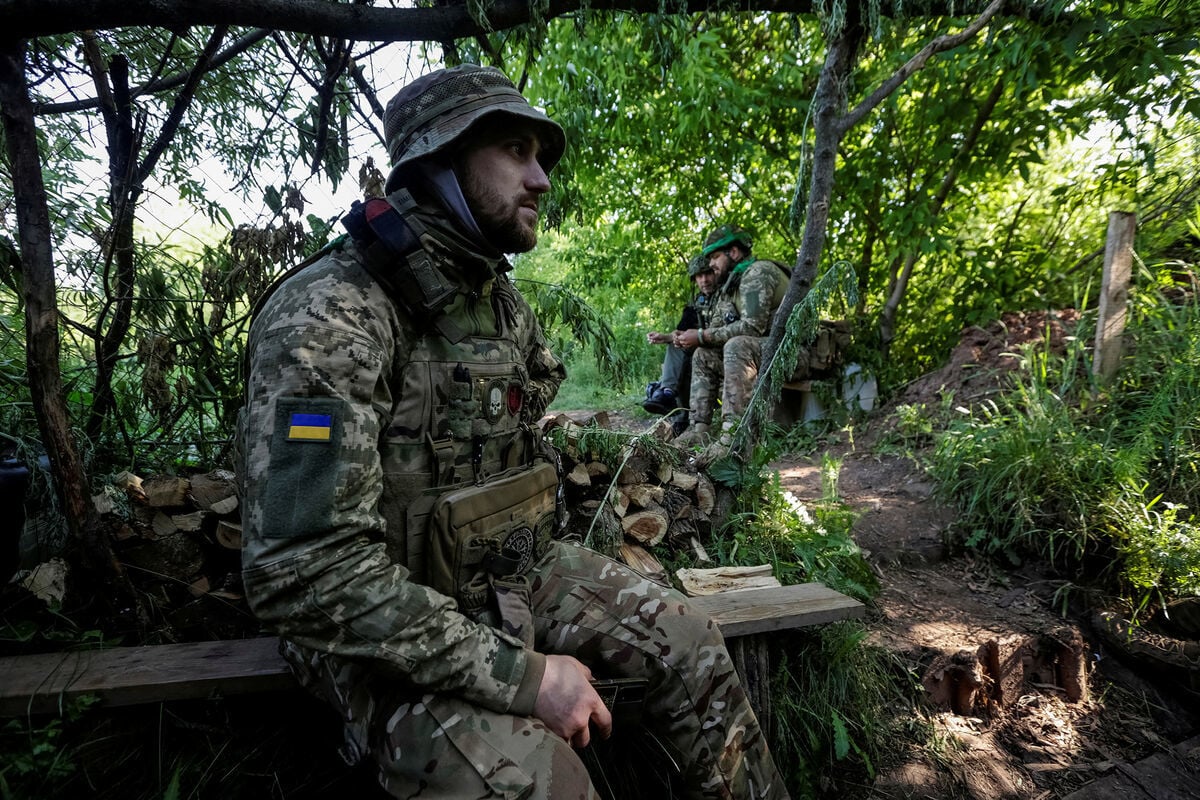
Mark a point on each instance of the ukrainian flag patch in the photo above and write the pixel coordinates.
(310, 427)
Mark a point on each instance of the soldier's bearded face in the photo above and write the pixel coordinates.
(501, 181)
(719, 262)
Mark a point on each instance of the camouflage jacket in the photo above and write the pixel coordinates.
(744, 304)
(355, 419)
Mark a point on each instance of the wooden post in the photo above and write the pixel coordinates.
(1114, 292)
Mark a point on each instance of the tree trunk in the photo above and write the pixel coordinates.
(41, 302)
(832, 122)
(126, 178)
(830, 102)
(118, 286)
(92, 547)
(828, 129)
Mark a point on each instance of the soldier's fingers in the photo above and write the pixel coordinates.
(582, 737)
(602, 718)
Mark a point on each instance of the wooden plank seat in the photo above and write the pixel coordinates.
(34, 684)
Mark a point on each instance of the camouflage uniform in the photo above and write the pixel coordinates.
(356, 419)
(726, 363)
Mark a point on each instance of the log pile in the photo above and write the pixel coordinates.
(180, 539)
(629, 497)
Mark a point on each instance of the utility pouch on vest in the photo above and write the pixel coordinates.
(494, 531)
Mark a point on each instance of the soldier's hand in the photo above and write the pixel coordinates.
(688, 340)
(566, 701)
(654, 337)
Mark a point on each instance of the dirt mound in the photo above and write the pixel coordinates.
(982, 363)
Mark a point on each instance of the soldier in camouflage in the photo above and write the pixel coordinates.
(725, 365)
(380, 410)
(670, 391)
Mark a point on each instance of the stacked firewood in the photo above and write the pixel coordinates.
(180, 539)
(639, 493)
(183, 535)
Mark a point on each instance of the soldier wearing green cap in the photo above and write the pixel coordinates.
(400, 506)
(725, 365)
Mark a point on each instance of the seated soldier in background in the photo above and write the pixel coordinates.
(728, 348)
(671, 390)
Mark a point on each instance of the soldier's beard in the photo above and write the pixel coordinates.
(499, 220)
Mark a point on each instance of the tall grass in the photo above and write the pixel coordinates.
(1104, 481)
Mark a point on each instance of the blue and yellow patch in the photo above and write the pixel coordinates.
(310, 427)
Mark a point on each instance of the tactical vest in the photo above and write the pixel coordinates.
(456, 421)
(457, 385)
(726, 306)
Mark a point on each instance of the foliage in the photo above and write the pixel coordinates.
(274, 745)
(769, 525)
(643, 178)
(33, 759)
(556, 304)
(1109, 480)
(586, 388)
(912, 429)
(994, 218)
(831, 687)
(620, 311)
(833, 290)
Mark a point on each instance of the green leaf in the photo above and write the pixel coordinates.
(273, 199)
(841, 738)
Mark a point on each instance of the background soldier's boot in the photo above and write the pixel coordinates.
(660, 401)
(679, 420)
(695, 436)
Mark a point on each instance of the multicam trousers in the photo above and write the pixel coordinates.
(619, 623)
(727, 374)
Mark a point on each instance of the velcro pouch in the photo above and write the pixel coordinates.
(499, 528)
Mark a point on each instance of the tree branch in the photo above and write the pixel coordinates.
(179, 107)
(41, 301)
(30, 18)
(938, 45)
(238, 47)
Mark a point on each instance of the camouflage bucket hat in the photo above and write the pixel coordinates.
(723, 236)
(433, 112)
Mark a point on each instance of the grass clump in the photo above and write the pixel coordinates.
(829, 687)
(1101, 480)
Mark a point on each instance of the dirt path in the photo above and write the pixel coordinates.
(935, 604)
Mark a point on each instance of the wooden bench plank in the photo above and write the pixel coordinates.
(777, 608)
(129, 675)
